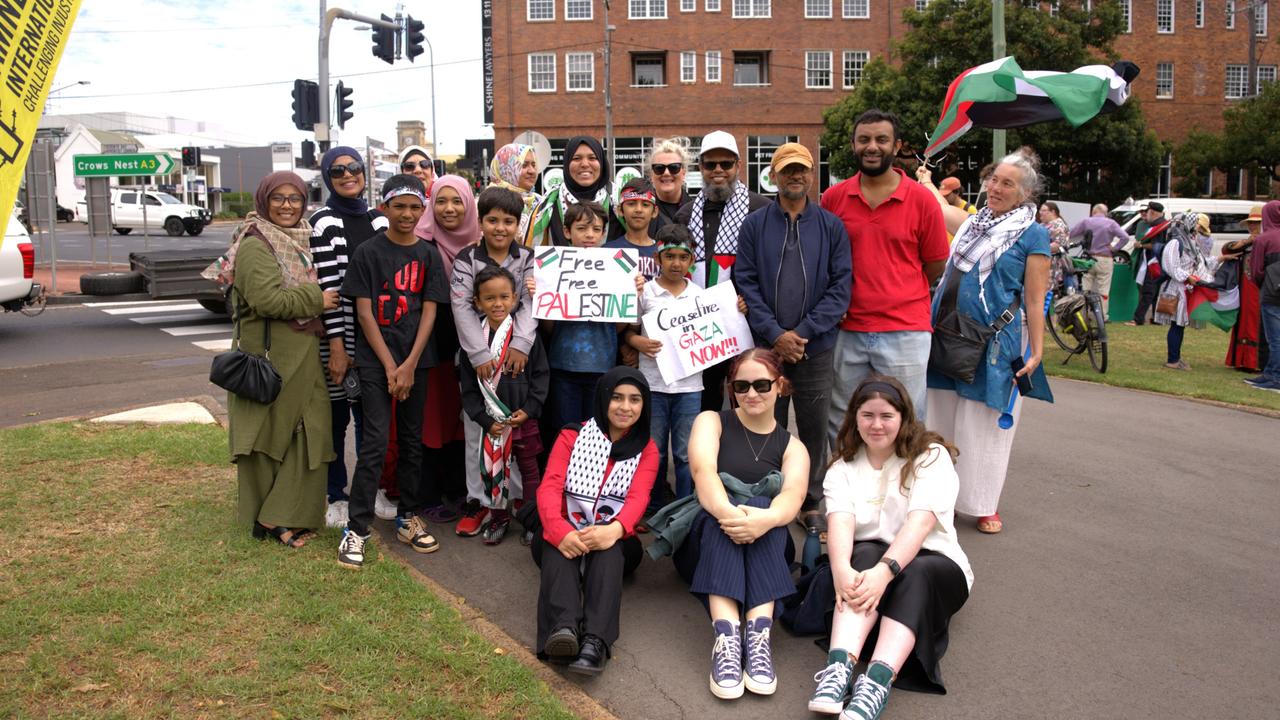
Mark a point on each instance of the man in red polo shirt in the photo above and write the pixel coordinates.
(899, 247)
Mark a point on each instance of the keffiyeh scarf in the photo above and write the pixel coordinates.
(495, 452)
(984, 237)
(735, 211)
(588, 500)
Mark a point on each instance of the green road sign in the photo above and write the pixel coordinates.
(121, 165)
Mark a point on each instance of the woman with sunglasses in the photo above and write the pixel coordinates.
(416, 161)
(668, 164)
(515, 168)
(586, 178)
(337, 229)
(750, 476)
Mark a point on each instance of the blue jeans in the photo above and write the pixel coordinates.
(575, 394)
(903, 354)
(1271, 324)
(1173, 341)
(672, 416)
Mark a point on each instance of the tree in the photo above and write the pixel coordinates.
(1194, 158)
(1105, 159)
(1249, 133)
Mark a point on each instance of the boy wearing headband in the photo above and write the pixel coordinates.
(395, 281)
(637, 208)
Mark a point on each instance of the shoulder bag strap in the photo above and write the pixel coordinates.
(237, 313)
(951, 288)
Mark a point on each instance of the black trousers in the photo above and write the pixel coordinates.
(713, 379)
(583, 593)
(376, 404)
(1147, 298)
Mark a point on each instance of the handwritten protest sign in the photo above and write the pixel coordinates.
(697, 332)
(591, 284)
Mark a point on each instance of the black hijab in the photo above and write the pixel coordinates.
(579, 191)
(637, 437)
(349, 207)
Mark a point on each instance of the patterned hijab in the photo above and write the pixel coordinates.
(291, 246)
(451, 242)
(506, 166)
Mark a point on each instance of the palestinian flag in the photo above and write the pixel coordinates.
(625, 262)
(1001, 95)
(548, 256)
(1216, 307)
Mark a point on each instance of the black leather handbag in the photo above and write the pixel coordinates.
(250, 376)
(959, 342)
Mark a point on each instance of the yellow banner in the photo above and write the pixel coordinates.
(33, 34)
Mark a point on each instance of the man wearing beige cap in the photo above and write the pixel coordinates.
(794, 272)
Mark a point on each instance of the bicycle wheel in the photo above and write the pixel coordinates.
(1051, 320)
(1097, 335)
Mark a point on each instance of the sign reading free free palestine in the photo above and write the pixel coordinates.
(132, 164)
(586, 284)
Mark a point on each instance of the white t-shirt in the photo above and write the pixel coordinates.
(655, 297)
(880, 508)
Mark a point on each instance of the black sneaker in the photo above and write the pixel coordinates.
(592, 656)
(496, 529)
(562, 646)
(351, 549)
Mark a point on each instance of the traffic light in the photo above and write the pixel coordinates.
(308, 154)
(384, 42)
(413, 38)
(306, 104)
(190, 156)
(342, 105)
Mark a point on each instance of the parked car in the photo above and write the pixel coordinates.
(18, 290)
(1226, 217)
(162, 210)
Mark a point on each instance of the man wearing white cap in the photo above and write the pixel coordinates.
(714, 218)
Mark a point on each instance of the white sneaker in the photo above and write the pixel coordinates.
(383, 508)
(336, 515)
(351, 550)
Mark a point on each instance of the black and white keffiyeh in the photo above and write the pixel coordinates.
(984, 237)
(590, 500)
(735, 211)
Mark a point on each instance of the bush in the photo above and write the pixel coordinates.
(237, 204)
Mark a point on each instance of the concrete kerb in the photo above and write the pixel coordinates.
(208, 402)
(575, 697)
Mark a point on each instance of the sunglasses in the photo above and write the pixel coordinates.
(761, 386)
(410, 166)
(668, 169)
(354, 168)
(719, 164)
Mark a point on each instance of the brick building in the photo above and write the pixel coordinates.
(765, 69)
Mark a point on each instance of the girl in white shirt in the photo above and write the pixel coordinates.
(895, 561)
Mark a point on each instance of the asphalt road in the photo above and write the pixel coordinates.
(73, 243)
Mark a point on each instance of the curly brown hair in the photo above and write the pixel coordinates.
(913, 439)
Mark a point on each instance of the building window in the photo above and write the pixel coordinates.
(713, 66)
(542, 72)
(1266, 74)
(750, 68)
(648, 69)
(1126, 14)
(1164, 80)
(711, 6)
(1237, 84)
(688, 5)
(854, 62)
(856, 9)
(760, 150)
(817, 69)
(752, 8)
(647, 9)
(577, 9)
(1199, 13)
(1164, 16)
(688, 66)
(1235, 182)
(580, 72)
(922, 5)
(1165, 179)
(541, 10)
(1260, 12)
(817, 8)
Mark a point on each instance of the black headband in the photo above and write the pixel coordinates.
(880, 387)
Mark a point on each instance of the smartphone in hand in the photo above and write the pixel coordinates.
(1024, 381)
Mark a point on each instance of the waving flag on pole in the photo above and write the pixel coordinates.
(1001, 95)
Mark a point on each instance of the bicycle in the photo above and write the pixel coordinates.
(1075, 318)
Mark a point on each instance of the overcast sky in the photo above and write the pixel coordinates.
(232, 63)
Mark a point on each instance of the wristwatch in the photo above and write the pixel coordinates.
(894, 567)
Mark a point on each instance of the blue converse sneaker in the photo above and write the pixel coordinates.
(833, 688)
(870, 691)
(761, 679)
(726, 661)
(351, 549)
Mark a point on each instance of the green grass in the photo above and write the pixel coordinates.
(1136, 360)
(126, 591)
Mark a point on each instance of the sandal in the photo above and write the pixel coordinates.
(1179, 365)
(990, 524)
(294, 540)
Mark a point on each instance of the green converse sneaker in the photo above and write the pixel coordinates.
(870, 691)
(833, 687)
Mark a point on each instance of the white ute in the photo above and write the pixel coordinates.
(18, 290)
(162, 211)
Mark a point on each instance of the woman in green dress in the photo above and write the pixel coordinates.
(281, 450)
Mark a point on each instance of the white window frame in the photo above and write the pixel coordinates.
(815, 14)
(1243, 72)
(711, 6)
(590, 11)
(542, 56)
(1168, 93)
(1199, 13)
(1262, 12)
(569, 71)
(688, 6)
(849, 9)
(528, 10)
(712, 61)
(844, 67)
(1231, 14)
(1126, 12)
(688, 62)
(1269, 70)
(922, 5)
(1169, 29)
(752, 9)
(649, 6)
(809, 57)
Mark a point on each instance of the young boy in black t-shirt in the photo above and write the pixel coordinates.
(396, 281)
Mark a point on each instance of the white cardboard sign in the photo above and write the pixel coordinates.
(699, 331)
(586, 284)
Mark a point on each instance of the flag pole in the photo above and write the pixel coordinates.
(997, 52)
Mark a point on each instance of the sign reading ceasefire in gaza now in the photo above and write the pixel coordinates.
(33, 34)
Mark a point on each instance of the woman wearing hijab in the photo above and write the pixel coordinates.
(586, 178)
(1186, 261)
(592, 495)
(416, 161)
(280, 449)
(337, 229)
(515, 167)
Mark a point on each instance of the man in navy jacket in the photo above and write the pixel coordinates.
(794, 271)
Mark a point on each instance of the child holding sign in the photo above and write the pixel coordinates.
(506, 406)
(675, 404)
(499, 211)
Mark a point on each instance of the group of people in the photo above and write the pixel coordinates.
(415, 319)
